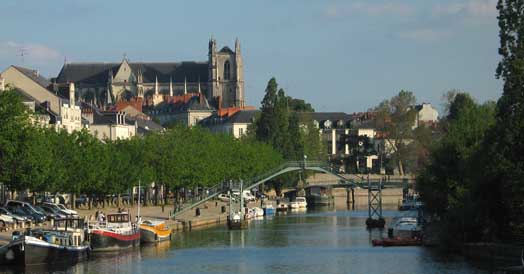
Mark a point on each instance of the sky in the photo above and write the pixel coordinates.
(339, 55)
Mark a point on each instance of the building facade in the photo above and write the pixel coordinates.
(220, 79)
(64, 114)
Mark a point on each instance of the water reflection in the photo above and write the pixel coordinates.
(322, 241)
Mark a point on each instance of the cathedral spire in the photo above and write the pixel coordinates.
(199, 90)
(185, 85)
(171, 86)
(237, 46)
(156, 85)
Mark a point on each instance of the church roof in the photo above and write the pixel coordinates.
(98, 73)
(226, 49)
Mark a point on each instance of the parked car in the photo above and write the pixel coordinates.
(50, 212)
(6, 219)
(62, 208)
(28, 209)
(17, 218)
(31, 214)
(53, 211)
(225, 198)
(246, 195)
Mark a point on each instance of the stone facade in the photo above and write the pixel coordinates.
(220, 79)
(65, 113)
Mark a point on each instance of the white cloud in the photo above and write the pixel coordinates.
(472, 10)
(33, 53)
(372, 9)
(425, 35)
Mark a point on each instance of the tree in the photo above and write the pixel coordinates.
(505, 170)
(446, 183)
(14, 137)
(299, 105)
(396, 118)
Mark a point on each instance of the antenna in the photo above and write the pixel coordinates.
(22, 52)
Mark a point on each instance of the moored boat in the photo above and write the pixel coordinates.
(299, 203)
(268, 209)
(154, 231)
(58, 246)
(116, 233)
(235, 222)
(258, 212)
(397, 242)
(406, 227)
(282, 206)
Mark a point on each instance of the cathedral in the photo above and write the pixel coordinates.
(220, 80)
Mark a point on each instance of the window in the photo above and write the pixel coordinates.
(227, 70)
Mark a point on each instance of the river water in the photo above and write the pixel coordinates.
(326, 241)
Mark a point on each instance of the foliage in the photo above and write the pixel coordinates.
(505, 172)
(46, 160)
(299, 105)
(396, 118)
(446, 184)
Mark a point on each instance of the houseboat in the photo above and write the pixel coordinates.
(115, 233)
(61, 245)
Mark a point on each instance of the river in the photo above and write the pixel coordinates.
(314, 242)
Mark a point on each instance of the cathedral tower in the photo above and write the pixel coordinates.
(226, 75)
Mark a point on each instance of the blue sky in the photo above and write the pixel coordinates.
(339, 55)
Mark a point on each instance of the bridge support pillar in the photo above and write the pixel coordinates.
(350, 197)
(375, 219)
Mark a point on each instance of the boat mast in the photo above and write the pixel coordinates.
(138, 210)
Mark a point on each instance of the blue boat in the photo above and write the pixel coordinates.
(268, 209)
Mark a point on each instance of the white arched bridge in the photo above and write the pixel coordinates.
(346, 181)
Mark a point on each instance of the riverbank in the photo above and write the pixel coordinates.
(211, 211)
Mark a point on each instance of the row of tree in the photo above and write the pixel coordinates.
(45, 160)
(474, 178)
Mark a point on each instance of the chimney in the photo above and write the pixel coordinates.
(72, 94)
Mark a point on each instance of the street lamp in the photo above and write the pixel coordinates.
(305, 158)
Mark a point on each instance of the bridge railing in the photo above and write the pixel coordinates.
(250, 183)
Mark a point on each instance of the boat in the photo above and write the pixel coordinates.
(299, 203)
(268, 209)
(57, 246)
(154, 231)
(406, 227)
(411, 202)
(236, 221)
(257, 211)
(320, 196)
(116, 233)
(282, 206)
(397, 242)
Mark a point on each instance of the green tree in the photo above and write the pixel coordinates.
(299, 105)
(505, 169)
(446, 183)
(396, 118)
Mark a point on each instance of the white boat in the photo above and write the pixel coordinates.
(405, 227)
(299, 203)
(258, 212)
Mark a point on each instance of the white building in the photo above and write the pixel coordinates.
(65, 114)
(426, 115)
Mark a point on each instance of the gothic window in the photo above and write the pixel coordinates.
(227, 70)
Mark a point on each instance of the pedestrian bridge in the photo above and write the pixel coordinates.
(346, 181)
